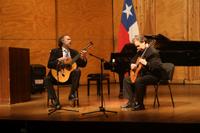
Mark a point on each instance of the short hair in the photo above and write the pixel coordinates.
(140, 38)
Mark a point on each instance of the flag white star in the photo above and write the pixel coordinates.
(128, 11)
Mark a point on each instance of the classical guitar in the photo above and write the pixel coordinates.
(66, 67)
(134, 73)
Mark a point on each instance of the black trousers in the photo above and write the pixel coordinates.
(136, 92)
(128, 89)
(73, 81)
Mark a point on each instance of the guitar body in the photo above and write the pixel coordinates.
(63, 75)
(134, 74)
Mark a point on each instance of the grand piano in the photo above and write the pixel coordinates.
(180, 53)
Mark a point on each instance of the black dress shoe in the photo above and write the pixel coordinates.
(138, 107)
(55, 103)
(58, 106)
(73, 97)
(127, 105)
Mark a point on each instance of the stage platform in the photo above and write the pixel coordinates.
(32, 116)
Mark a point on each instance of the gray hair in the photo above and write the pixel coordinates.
(140, 38)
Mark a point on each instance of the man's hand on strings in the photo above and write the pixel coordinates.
(133, 66)
(143, 61)
(63, 59)
(83, 54)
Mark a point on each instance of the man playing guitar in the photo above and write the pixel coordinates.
(146, 68)
(64, 63)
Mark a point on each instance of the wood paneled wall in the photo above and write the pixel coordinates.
(36, 24)
(28, 24)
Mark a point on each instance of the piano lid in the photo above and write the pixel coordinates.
(181, 53)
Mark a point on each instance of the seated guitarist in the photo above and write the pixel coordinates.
(149, 62)
(58, 58)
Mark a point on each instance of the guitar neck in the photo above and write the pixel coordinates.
(75, 59)
(78, 55)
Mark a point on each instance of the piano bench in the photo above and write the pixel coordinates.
(96, 77)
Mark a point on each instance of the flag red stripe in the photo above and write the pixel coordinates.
(123, 37)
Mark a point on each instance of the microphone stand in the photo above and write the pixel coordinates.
(58, 97)
(101, 107)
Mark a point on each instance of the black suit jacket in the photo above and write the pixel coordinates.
(154, 63)
(57, 53)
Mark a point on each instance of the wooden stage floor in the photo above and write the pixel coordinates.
(34, 114)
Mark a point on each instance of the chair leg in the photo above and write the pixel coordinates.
(99, 87)
(108, 80)
(78, 98)
(48, 100)
(88, 87)
(156, 96)
(171, 95)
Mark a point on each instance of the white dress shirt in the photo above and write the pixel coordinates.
(66, 53)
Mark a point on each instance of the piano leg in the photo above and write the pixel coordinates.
(121, 78)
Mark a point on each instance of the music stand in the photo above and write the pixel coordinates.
(101, 107)
(58, 96)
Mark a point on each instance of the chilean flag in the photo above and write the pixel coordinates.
(128, 27)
